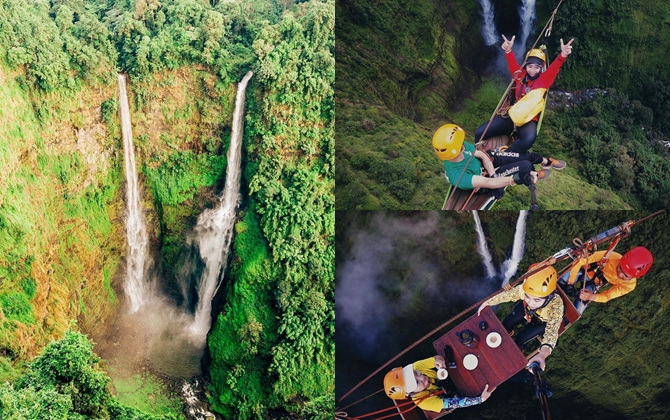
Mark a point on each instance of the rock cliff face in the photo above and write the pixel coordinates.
(61, 206)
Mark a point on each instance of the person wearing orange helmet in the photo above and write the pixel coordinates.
(530, 77)
(503, 168)
(418, 381)
(540, 311)
(619, 271)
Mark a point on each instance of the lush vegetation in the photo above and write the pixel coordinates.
(428, 270)
(400, 78)
(286, 250)
(65, 381)
(61, 232)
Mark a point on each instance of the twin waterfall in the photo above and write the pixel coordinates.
(137, 289)
(214, 230)
(510, 265)
(215, 227)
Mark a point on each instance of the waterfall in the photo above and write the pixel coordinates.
(491, 36)
(137, 289)
(482, 249)
(214, 230)
(510, 265)
(527, 17)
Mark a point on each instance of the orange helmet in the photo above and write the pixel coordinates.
(448, 140)
(542, 283)
(399, 382)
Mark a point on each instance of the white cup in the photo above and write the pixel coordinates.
(442, 374)
(493, 339)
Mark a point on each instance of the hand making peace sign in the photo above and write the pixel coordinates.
(566, 49)
(507, 45)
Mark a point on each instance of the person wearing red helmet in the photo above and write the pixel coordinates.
(619, 271)
(419, 380)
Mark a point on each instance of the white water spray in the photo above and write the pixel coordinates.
(482, 249)
(491, 36)
(137, 289)
(511, 264)
(214, 231)
(527, 17)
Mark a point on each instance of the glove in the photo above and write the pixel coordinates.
(522, 178)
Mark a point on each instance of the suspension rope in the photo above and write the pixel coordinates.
(547, 31)
(582, 248)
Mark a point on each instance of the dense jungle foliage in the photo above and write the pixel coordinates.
(60, 247)
(611, 364)
(65, 382)
(403, 72)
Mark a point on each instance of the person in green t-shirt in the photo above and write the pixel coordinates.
(503, 168)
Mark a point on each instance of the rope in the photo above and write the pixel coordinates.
(398, 406)
(547, 30)
(539, 266)
(582, 247)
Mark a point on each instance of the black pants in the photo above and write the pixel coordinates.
(504, 126)
(509, 163)
(531, 330)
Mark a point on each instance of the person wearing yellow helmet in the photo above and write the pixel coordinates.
(540, 311)
(419, 380)
(502, 168)
(528, 78)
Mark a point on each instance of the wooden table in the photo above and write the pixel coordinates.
(495, 366)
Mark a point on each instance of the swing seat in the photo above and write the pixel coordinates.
(483, 199)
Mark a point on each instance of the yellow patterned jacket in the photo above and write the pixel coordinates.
(551, 313)
(619, 287)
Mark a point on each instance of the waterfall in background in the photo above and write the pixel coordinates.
(214, 231)
(482, 249)
(510, 265)
(491, 36)
(137, 289)
(527, 17)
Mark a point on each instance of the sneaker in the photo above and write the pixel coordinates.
(554, 164)
(544, 173)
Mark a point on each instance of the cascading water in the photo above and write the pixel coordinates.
(491, 36)
(510, 265)
(482, 249)
(214, 230)
(137, 289)
(527, 17)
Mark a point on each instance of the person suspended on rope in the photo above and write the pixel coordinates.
(540, 311)
(619, 271)
(418, 381)
(492, 169)
(529, 78)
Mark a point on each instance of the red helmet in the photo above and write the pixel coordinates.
(636, 262)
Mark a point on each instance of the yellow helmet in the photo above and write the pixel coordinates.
(537, 54)
(399, 382)
(448, 140)
(542, 283)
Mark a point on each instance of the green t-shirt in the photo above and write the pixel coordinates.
(453, 170)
